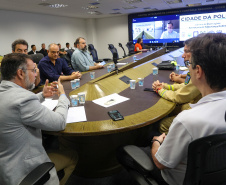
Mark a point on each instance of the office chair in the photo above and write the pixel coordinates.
(130, 47)
(206, 162)
(67, 57)
(36, 57)
(120, 45)
(113, 49)
(39, 176)
(93, 52)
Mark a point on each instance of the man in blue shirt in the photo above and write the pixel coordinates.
(81, 59)
(51, 67)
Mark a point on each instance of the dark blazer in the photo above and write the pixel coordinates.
(44, 52)
(31, 52)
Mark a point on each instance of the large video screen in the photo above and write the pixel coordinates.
(154, 28)
(157, 29)
(192, 25)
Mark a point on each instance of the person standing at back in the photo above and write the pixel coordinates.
(81, 59)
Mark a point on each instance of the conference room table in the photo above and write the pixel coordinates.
(97, 139)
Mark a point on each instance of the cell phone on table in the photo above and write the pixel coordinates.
(115, 115)
(149, 89)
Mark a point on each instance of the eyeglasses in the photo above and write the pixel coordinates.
(187, 63)
(33, 70)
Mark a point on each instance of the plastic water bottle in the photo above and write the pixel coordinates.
(134, 58)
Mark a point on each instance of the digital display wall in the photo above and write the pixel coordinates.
(177, 25)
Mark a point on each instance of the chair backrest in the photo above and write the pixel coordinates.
(93, 52)
(206, 163)
(40, 175)
(36, 57)
(70, 52)
(112, 49)
(130, 47)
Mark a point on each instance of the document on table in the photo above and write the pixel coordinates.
(110, 100)
(76, 114)
(50, 104)
(182, 68)
(121, 64)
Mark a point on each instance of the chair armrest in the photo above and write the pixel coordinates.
(39, 175)
(141, 161)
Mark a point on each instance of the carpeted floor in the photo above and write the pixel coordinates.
(121, 178)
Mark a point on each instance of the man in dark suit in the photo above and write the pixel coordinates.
(21, 46)
(43, 50)
(33, 50)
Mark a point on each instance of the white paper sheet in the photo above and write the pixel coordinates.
(50, 104)
(76, 114)
(182, 68)
(110, 100)
(121, 64)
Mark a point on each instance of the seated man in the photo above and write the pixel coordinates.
(23, 117)
(43, 50)
(81, 59)
(33, 50)
(207, 117)
(182, 94)
(21, 46)
(51, 67)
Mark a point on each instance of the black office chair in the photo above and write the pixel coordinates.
(206, 162)
(113, 49)
(39, 176)
(36, 57)
(131, 48)
(67, 57)
(120, 45)
(93, 52)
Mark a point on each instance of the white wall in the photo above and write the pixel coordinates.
(38, 28)
(111, 31)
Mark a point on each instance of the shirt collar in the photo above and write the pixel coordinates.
(210, 98)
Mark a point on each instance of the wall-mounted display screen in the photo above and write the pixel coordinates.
(177, 25)
(193, 25)
(157, 29)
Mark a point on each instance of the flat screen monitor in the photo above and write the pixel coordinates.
(156, 29)
(195, 24)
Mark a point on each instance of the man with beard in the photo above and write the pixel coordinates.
(23, 117)
(81, 59)
(51, 67)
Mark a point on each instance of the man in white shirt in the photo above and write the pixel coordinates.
(207, 117)
(170, 33)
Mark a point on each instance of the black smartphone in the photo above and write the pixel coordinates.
(115, 115)
(149, 89)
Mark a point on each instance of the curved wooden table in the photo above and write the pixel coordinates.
(97, 139)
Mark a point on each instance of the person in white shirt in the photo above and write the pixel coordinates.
(207, 116)
(170, 33)
(67, 46)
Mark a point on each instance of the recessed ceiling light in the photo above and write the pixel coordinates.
(196, 4)
(133, 1)
(58, 5)
(95, 3)
(116, 13)
(94, 13)
(129, 7)
(174, 1)
(150, 9)
(44, 4)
